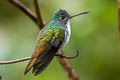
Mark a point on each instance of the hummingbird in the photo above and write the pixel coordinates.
(51, 39)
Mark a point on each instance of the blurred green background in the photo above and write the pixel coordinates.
(94, 35)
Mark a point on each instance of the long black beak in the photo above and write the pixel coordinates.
(86, 12)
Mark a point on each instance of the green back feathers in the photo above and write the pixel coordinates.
(58, 31)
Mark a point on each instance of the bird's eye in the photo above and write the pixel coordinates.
(63, 17)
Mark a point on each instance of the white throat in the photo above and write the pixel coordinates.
(67, 34)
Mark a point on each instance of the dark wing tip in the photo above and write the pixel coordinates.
(25, 72)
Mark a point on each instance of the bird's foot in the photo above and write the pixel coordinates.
(61, 55)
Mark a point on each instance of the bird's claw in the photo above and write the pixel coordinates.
(68, 57)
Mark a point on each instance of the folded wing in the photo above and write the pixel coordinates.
(44, 53)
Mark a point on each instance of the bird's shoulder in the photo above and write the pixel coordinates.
(50, 30)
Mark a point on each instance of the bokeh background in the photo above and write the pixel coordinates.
(94, 35)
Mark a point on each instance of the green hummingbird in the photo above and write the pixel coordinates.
(51, 39)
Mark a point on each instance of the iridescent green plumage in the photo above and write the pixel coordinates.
(45, 37)
(50, 39)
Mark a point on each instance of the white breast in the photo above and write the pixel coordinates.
(67, 34)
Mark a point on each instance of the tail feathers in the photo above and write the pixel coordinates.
(29, 66)
(43, 61)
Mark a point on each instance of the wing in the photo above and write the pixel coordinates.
(46, 57)
(46, 48)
